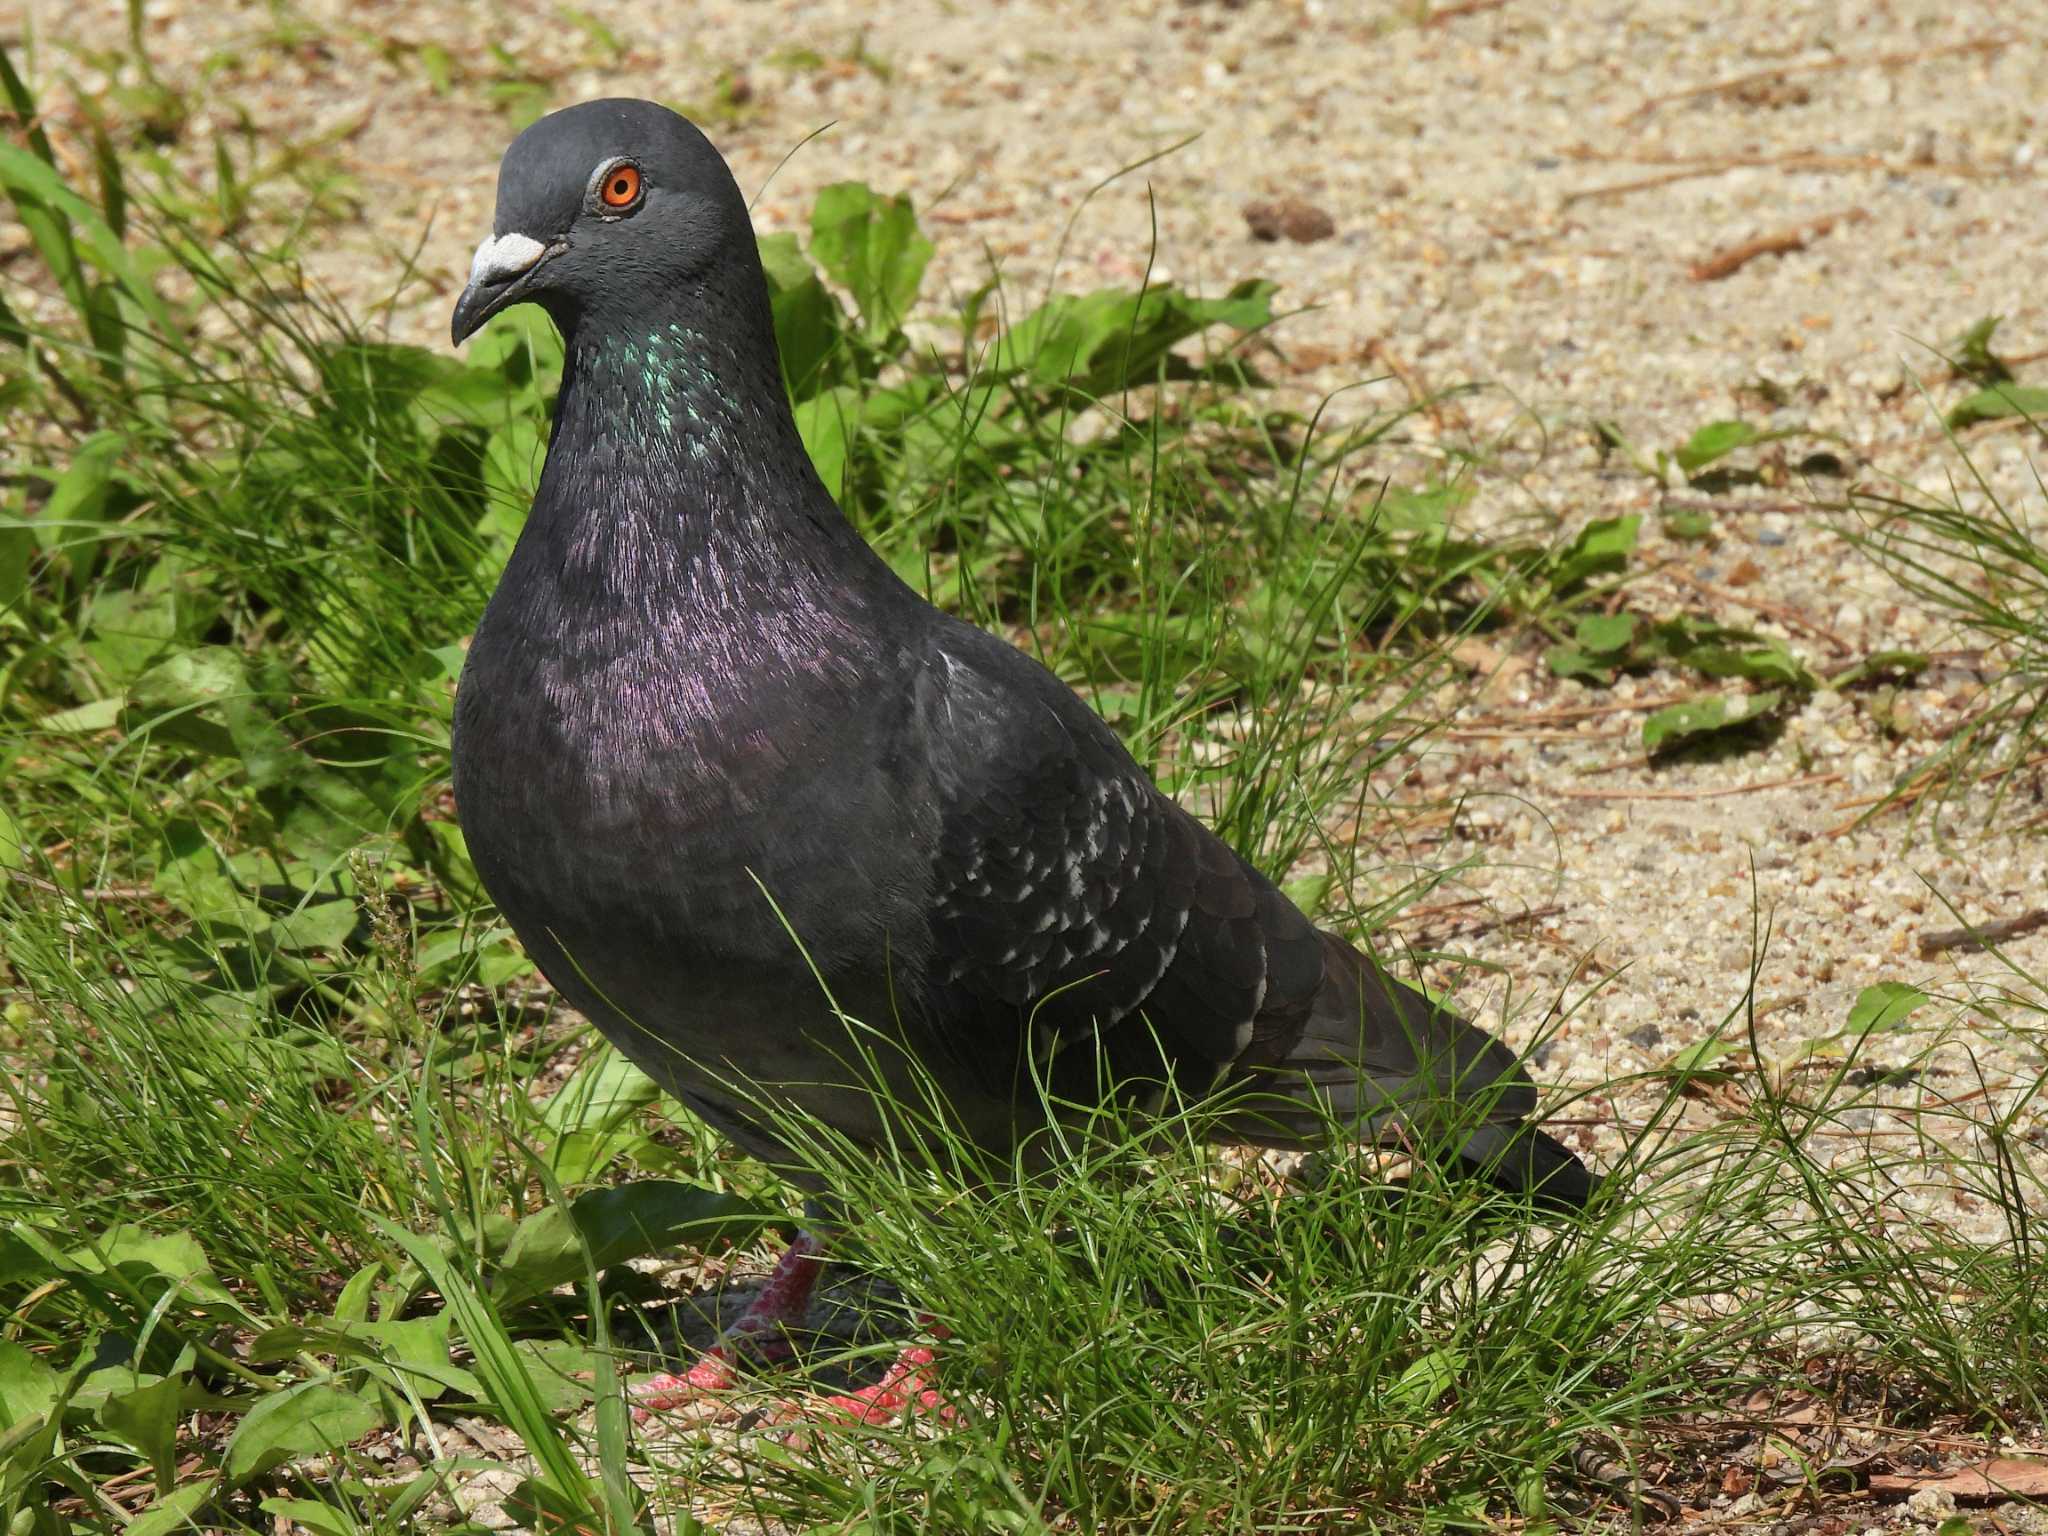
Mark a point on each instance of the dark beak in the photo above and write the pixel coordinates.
(499, 277)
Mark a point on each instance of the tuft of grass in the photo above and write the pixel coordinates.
(1144, 1334)
(1980, 562)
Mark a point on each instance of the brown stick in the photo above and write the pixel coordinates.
(1983, 935)
(1698, 794)
(113, 893)
(1730, 260)
(1487, 925)
(1822, 67)
(1831, 165)
(1509, 733)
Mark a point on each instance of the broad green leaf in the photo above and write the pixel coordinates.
(1421, 511)
(1899, 664)
(810, 327)
(176, 1513)
(1418, 1388)
(1570, 661)
(204, 675)
(302, 1420)
(1687, 523)
(1885, 1006)
(17, 556)
(14, 841)
(605, 1089)
(414, 1349)
(1103, 342)
(80, 494)
(522, 344)
(1770, 662)
(2001, 400)
(593, 1114)
(625, 1222)
(146, 1417)
(322, 925)
(1716, 440)
(353, 1305)
(203, 698)
(1702, 717)
(561, 1370)
(873, 248)
(140, 1255)
(1308, 893)
(513, 457)
(1603, 634)
(82, 719)
(130, 629)
(1601, 546)
(320, 1519)
(1973, 350)
(827, 422)
(1698, 1060)
(28, 1386)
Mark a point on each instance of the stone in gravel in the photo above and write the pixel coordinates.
(1292, 217)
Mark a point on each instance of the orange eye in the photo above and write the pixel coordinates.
(621, 187)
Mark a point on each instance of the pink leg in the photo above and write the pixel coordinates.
(905, 1388)
(756, 1335)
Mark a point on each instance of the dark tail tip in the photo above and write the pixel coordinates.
(1524, 1160)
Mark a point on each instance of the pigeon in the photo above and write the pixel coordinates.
(732, 781)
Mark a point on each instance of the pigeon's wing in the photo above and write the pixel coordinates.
(1067, 889)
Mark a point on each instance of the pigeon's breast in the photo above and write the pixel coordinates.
(690, 794)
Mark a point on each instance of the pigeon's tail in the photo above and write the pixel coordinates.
(1522, 1159)
(1374, 1054)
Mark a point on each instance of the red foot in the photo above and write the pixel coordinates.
(905, 1390)
(756, 1337)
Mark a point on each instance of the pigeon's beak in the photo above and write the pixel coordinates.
(498, 277)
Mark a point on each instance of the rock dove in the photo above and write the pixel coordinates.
(714, 760)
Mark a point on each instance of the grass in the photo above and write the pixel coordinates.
(299, 1169)
(1978, 561)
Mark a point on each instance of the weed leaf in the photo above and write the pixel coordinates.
(301, 1420)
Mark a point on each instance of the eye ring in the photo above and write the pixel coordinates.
(619, 187)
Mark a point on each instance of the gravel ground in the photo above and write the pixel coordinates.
(1519, 194)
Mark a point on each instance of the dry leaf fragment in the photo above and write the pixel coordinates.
(1990, 1482)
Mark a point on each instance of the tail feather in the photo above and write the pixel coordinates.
(1524, 1160)
(1385, 1060)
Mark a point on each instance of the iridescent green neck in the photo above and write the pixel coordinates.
(670, 384)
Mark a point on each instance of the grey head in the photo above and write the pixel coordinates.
(605, 209)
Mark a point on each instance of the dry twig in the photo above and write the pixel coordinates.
(1820, 67)
(1983, 935)
(1691, 168)
(1799, 782)
(1729, 260)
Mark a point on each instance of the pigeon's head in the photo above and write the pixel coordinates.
(605, 206)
